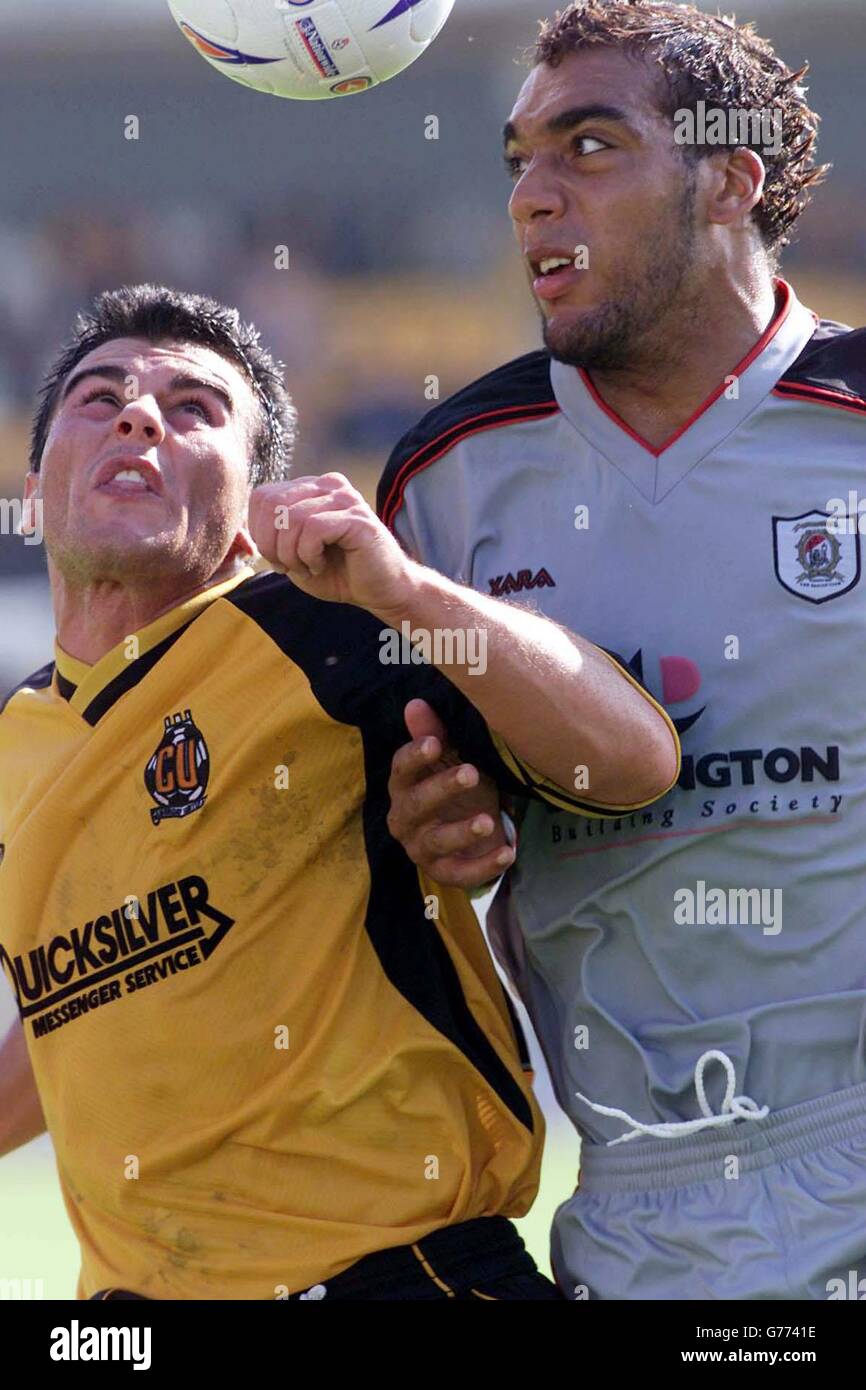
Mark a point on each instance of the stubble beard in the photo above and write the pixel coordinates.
(141, 565)
(627, 331)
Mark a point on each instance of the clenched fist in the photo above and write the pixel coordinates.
(329, 541)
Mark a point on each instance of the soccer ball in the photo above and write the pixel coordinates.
(310, 49)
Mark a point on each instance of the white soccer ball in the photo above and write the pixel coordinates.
(309, 49)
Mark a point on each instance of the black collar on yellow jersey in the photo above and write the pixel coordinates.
(92, 690)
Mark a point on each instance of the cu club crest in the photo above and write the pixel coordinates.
(177, 774)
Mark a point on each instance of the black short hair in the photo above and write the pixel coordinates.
(709, 58)
(162, 315)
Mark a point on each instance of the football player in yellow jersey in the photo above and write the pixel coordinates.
(275, 1060)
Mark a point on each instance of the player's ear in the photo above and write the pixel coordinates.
(736, 184)
(243, 546)
(31, 520)
(32, 488)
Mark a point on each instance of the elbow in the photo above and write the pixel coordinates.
(643, 768)
(667, 766)
(653, 764)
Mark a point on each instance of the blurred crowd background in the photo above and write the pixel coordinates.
(401, 269)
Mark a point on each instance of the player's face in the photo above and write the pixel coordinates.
(145, 469)
(599, 182)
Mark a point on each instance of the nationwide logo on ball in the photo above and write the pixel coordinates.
(310, 49)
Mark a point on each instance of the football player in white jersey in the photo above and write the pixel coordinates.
(673, 476)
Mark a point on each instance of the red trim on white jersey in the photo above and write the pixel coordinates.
(820, 395)
(429, 453)
(784, 308)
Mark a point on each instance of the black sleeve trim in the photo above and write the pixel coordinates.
(410, 946)
(831, 369)
(518, 391)
(337, 647)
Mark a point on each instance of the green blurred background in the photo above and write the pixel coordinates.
(400, 268)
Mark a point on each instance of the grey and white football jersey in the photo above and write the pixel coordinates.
(726, 568)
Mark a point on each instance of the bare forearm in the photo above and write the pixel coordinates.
(559, 702)
(21, 1117)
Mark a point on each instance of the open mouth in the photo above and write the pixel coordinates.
(554, 275)
(133, 479)
(549, 265)
(130, 480)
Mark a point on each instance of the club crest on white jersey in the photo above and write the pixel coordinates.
(813, 560)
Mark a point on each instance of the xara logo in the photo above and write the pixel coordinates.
(519, 583)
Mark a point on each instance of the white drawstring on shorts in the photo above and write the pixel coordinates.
(733, 1108)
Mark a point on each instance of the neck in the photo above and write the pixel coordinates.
(687, 357)
(91, 619)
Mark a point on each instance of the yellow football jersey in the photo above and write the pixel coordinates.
(265, 1046)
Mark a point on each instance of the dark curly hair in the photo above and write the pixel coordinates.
(713, 59)
(162, 315)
